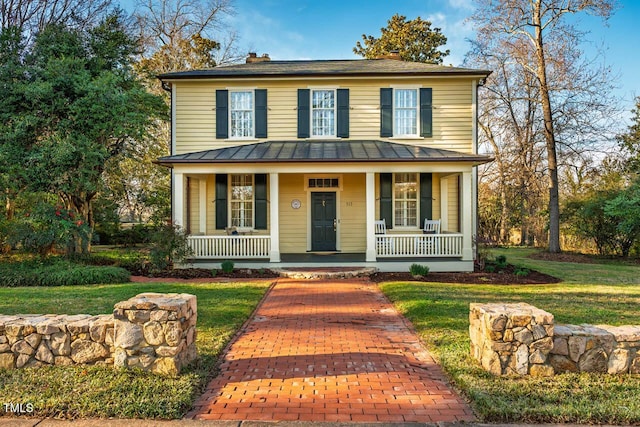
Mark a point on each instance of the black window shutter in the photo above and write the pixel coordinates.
(261, 113)
(222, 114)
(386, 198)
(386, 112)
(343, 113)
(426, 112)
(303, 113)
(426, 197)
(221, 201)
(260, 182)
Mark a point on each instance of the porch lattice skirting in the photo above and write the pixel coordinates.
(226, 247)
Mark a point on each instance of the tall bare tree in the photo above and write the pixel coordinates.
(571, 95)
(185, 34)
(31, 16)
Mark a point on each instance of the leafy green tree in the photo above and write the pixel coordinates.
(624, 210)
(78, 104)
(630, 141)
(414, 40)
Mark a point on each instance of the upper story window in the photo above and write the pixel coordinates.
(405, 112)
(241, 111)
(323, 113)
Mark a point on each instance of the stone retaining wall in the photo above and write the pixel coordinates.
(523, 340)
(151, 331)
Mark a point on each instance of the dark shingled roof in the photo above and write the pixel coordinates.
(323, 151)
(353, 67)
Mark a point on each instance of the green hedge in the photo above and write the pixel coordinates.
(58, 273)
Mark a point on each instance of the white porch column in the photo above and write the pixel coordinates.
(202, 196)
(444, 204)
(274, 213)
(466, 222)
(371, 217)
(178, 199)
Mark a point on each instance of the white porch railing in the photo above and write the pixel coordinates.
(227, 247)
(419, 245)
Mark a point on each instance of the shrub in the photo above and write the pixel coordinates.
(214, 272)
(227, 266)
(58, 273)
(522, 272)
(46, 228)
(490, 268)
(169, 245)
(418, 270)
(501, 261)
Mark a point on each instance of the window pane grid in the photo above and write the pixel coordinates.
(242, 200)
(405, 193)
(406, 111)
(323, 113)
(241, 114)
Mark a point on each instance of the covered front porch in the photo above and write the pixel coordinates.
(265, 214)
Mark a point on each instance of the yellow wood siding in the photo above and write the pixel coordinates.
(293, 222)
(353, 214)
(453, 204)
(194, 211)
(452, 110)
(211, 211)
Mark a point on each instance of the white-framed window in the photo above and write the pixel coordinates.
(405, 200)
(405, 112)
(323, 113)
(241, 114)
(242, 203)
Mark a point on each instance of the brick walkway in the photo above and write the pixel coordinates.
(329, 351)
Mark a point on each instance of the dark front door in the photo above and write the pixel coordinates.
(323, 221)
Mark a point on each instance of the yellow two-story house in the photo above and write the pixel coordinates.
(339, 162)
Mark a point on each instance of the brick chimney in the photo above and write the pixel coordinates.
(253, 57)
(394, 54)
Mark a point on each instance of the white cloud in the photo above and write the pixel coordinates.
(264, 34)
(457, 30)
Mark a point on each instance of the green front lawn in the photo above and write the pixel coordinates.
(71, 392)
(602, 293)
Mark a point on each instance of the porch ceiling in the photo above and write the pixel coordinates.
(321, 152)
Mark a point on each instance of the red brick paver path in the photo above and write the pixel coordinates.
(329, 351)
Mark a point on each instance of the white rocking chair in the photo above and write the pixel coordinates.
(384, 245)
(425, 244)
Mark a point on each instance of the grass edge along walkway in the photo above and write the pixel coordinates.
(439, 312)
(104, 392)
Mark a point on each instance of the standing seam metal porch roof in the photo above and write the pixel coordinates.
(323, 151)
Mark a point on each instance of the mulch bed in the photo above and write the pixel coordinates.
(565, 257)
(203, 273)
(506, 276)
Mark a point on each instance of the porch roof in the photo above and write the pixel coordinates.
(321, 152)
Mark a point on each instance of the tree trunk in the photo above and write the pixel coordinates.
(10, 208)
(554, 203)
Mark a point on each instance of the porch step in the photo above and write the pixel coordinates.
(310, 273)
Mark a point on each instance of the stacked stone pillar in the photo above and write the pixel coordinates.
(511, 339)
(155, 332)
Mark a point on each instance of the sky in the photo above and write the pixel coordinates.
(329, 29)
